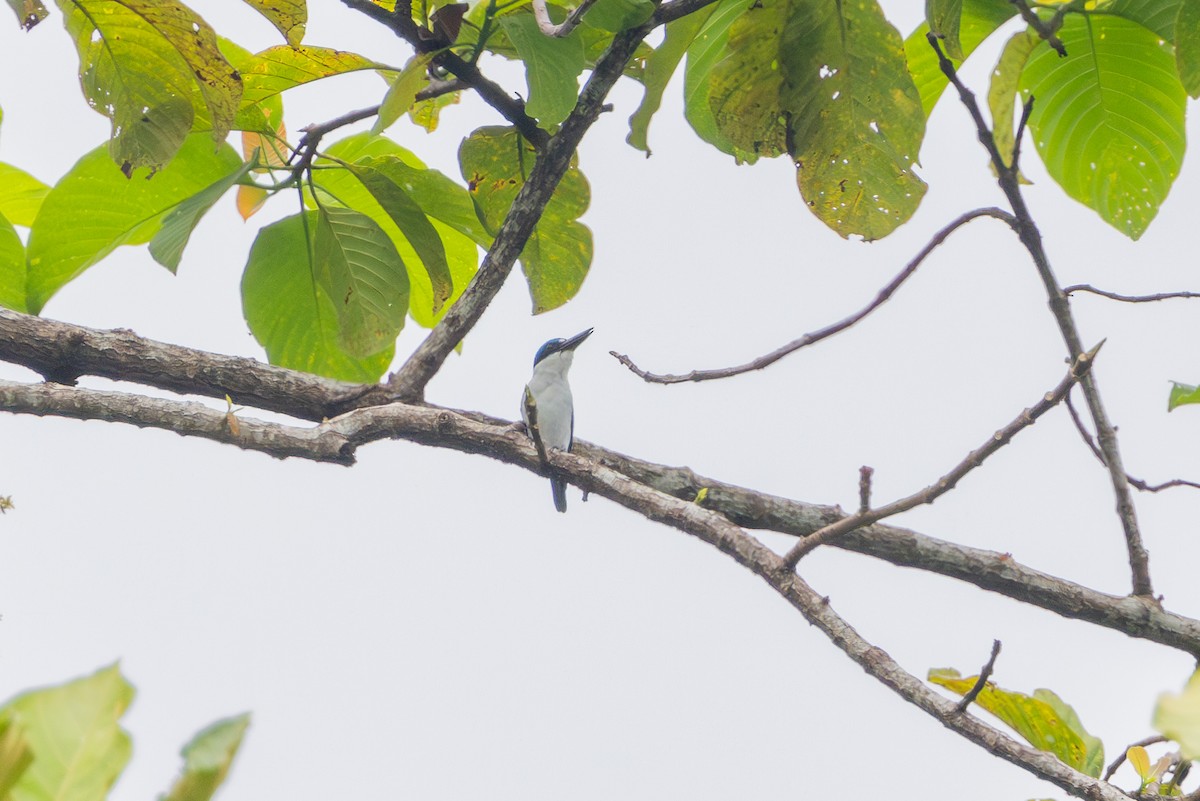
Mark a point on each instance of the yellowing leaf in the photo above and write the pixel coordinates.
(268, 74)
(403, 92)
(288, 17)
(140, 63)
(844, 107)
(1139, 760)
(1042, 719)
(495, 162)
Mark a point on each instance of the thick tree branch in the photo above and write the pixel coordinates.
(947, 482)
(492, 93)
(51, 347)
(824, 333)
(753, 555)
(1060, 306)
(186, 418)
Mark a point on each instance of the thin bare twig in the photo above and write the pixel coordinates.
(1060, 306)
(1026, 418)
(563, 29)
(824, 333)
(1136, 483)
(981, 682)
(1069, 290)
(1120, 760)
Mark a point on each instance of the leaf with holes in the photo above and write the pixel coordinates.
(495, 162)
(29, 13)
(845, 108)
(140, 63)
(290, 315)
(357, 264)
(1112, 137)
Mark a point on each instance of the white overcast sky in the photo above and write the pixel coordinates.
(424, 625)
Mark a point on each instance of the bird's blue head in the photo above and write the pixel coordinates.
(560, 345)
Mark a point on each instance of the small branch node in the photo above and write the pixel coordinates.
(864, 488)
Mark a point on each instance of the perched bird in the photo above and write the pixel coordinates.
(552, 399)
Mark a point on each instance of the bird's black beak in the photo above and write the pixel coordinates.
(576, 341)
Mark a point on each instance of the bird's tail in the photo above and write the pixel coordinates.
(559, 489)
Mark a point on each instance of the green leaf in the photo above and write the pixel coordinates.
(1182, 395)
(139, 63)
(552, 68)
(446, 203)
(1093, 759)
(275, 70)
(288, 17)
(385, 178)
(1177, 717)
(978, 21)
(93, 209)
(29, 13)
(1157, 15)
(660, 66)
(15, 756)
(942, 17)
(1112, 136)
(12, 273)
(207, 759)
(1042, 719)
(1187, 47)
(705, 52)
(403, 91)
(167, 245)
(844, 107)
(495, 162)
(1002, 92)
(615, 16)
(357, 264)
(74, 734)
(293, 317)
(21, 195)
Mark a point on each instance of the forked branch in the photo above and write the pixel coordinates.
(1079, 368)
(1060, 306)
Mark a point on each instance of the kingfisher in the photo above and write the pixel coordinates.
(552, 397)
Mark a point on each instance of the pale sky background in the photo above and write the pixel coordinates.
(425, 626)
